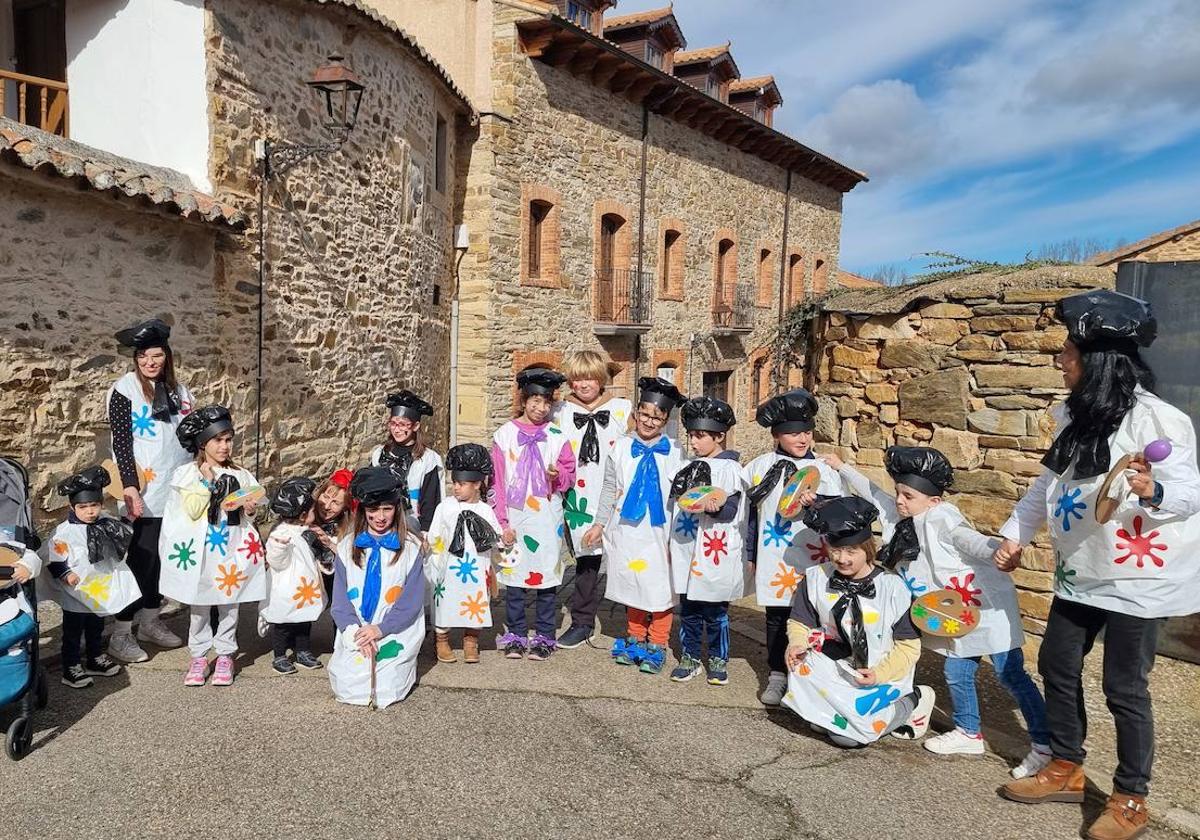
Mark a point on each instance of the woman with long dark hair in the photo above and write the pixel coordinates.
(1124, 573)
(144, 409)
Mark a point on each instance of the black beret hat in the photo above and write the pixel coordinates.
(922, 468)
(1097, 319)
(407, 404)
(152, 333)
(469, 462)
(85, 486)
(293, 498)
(706, 414)
(843, 520)
(202, 425)
(539, 382)
(793, 411)
(377, 486)
(658, 391)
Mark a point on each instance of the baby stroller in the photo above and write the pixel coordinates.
(22, 679)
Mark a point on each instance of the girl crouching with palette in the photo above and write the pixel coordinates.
(852, 647)
(212, 554)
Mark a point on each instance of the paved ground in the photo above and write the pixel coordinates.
(573, 747)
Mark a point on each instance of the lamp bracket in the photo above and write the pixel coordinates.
(279, 158)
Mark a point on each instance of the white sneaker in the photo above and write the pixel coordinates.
(776, 687)
(151, 629)
(918, 722)
(124, 647)
(956, 742)
(262, 627)
(1037, 760)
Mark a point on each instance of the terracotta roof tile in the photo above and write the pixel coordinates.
(1118, 254)
(850, 280)
(702, 54)
(637, 18)
(752, 83)
(37, 150)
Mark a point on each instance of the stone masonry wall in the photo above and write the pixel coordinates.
(970, 373)
(1183, 246)
(359, 242)
(581, 142)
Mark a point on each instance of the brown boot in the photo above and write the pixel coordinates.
(1060, 781)
(1125, 816)
(445, 653)
(471, 646)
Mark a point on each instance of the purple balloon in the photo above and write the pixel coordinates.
(1157, 451)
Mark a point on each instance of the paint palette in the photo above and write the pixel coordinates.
(1107, 501)
(944, 613)
(116, 488)
(506, 555)
(243, 497)
(8, 557)
(694, 500)
(804, 481)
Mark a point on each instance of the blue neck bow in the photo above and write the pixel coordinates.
(373, 581)
(645, 494)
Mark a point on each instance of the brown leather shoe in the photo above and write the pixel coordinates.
(1059, 781)
(445, 653)
(470, 646)
(1125, 816)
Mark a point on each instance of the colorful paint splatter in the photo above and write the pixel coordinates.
(914, 586)
(1138, 546)
(818, 553)
(966, 589)
(1063, 576)
(778, 532)
(466, 570)
(217, 539)
(96, 589)
(1068, 505)
(184, 554)
(876, 698)
(687, 526)
(306, 594)
(252, 548)
(230, 579)
(575, 510)
(143, 423)
(439, 592)
(474, 608)
(716, 546)
(785, 581)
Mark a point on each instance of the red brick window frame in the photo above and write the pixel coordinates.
(671, 357)
(525, 359)
(795, 278)
(820, 279)
(724, 269)
(758, 383)
(541, 260)
(612, 251)
(766, 271)
(671, 256)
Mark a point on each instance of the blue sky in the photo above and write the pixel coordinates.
(988, 127)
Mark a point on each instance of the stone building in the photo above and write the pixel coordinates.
(625, 194)
(149, 209)
(1178, 243)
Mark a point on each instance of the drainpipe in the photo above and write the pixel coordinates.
(645, 294)
(460, 247)
(783, 252)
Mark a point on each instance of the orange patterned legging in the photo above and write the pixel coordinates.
(655, 624)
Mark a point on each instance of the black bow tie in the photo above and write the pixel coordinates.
(165, 402)
(589, 447)
(482, 534)
(781, 470)
(221, 487)
(695, 474)
(398, 459)
(903, 547)
(851, 591)
(108, 539)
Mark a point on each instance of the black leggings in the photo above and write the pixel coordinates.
(294, 636)
(144, 562)
(777, 641)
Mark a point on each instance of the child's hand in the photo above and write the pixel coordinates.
(509, 536)
(366, 637)
(551, 476)
(865, 676)
(21, 573)
(71, 578)
(134, 506)
(594, 536)
(832, 459)
(711, 505)
(1008, 556)
(794, 656)
(807, 498)
(322, 537)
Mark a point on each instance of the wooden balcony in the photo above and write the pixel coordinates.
(733, 310)
(621, 302)
(41, 103)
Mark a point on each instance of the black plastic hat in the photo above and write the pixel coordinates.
(658, 391)
(1103, 319)
(85, 486)
(377, 486)
(844, 520)
(202, 425)
(540, 382)
(469, 462)
(293, 498)
(152, 333)
(407, 404)
(706, 414)
(922, 468)
(794, 411)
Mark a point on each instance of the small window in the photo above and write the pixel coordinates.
(710, 86)
(766, 284)
(579, 14)
(671, 256)
(439, 147)
(670, 372)
(760, 113)
(654, 56)
(666, 372)
(795, 279)
(725, 275)
(819, 279)
(538, 212)
(715, 384)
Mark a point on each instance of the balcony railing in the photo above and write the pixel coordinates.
(621, 301)
(41, 103)
(733, 310)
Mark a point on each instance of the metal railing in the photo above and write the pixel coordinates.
(733, 309)
(41, 103)
(621, 297)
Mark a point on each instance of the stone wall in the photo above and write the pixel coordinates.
(563, 135)
(963, 365)
(1182, 243)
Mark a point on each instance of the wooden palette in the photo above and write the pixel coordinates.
(8, 556)
(944, 613)
(245, 496)
(694, 500)
(804, 481)
(1105, 507)
(116, 488)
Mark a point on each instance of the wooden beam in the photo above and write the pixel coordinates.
(623, 78)
(641, 88)
(534, 42)
(660, 93)
(671, 104)
(606, 67)
(561, 54)
(585, 58)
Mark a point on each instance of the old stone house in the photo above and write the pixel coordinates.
(625, 194)
(1178, 243)
(149, 209)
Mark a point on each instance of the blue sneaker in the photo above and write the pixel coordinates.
(653, 658)
(717, 672)
(575, 637)
(686, 669)
(628, 651)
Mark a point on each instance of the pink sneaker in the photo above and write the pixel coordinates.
(223, 673)
(197, 672)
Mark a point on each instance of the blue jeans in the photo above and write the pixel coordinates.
(1010, 670)
(694, 617)
(547, 610)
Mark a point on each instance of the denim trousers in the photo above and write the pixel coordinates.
(1010, 671)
